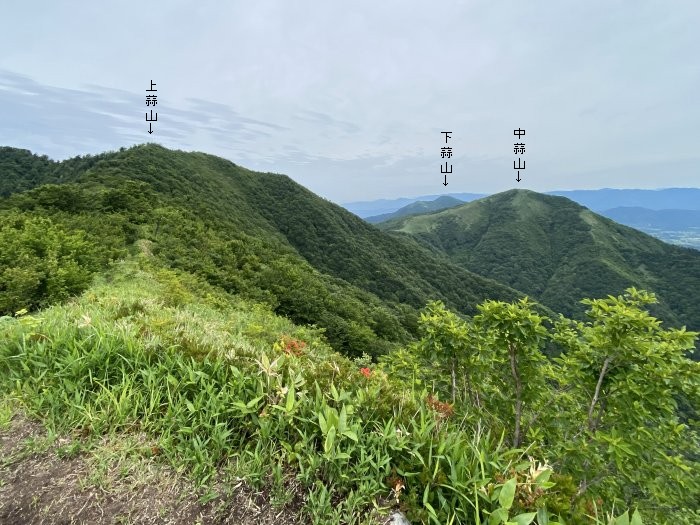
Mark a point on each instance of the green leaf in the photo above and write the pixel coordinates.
(498, 516)
(241, 405)
(343, 420)
(290, 399)
(624, 519)
(350, 434)
(431, 510)
(253, 402)
(330, 440)
(636, 518)
(505, 498)
(332, 417)
(525, 519)
(543, 477)
(542, 517)
(334, 393)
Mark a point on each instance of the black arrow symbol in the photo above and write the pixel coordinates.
(518, 177)
(445, 183)
(149, 128)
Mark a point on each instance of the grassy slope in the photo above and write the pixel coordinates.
(560, 252)
(221, 388)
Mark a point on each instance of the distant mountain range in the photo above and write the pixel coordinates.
(662, 199)
(645, 218)
(596, 200)
(366, 209)
(558, 251)
(418, 207)
(673, 225)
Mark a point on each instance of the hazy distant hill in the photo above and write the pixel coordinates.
(680, 227)
(373, 208)
(596, 200)
(418, 207)
(640, 218)
(605, 199)
(558, 251)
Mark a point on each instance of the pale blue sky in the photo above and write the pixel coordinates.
(349, 98)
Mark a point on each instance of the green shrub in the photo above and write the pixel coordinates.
(42, 263)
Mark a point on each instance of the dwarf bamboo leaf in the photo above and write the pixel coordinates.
(505, 498)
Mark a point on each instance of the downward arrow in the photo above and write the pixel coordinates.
(445, 183)
(149, 128)
(518, 177)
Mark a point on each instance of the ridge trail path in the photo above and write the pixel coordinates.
(43, 483)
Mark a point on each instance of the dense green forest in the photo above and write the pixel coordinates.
(248, 326)
(558, 252)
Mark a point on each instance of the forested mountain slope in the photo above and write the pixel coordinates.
(22, 170)
(558, 251)
(256, 234)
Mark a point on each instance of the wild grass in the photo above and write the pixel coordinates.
(213, 385)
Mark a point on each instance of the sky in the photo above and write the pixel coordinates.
(350, 98)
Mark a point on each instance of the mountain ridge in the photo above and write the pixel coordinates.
(557, 250)
(258, 234)
(267, 237)
(597, 200)
(416, 208)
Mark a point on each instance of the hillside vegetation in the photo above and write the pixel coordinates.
(221, 388)
(259, 235)
(232, 326)
(558, 252)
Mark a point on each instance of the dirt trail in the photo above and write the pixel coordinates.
(51, 487)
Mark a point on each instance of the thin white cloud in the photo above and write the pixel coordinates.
(349, 99)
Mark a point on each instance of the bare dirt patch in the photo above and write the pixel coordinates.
(42, 484)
